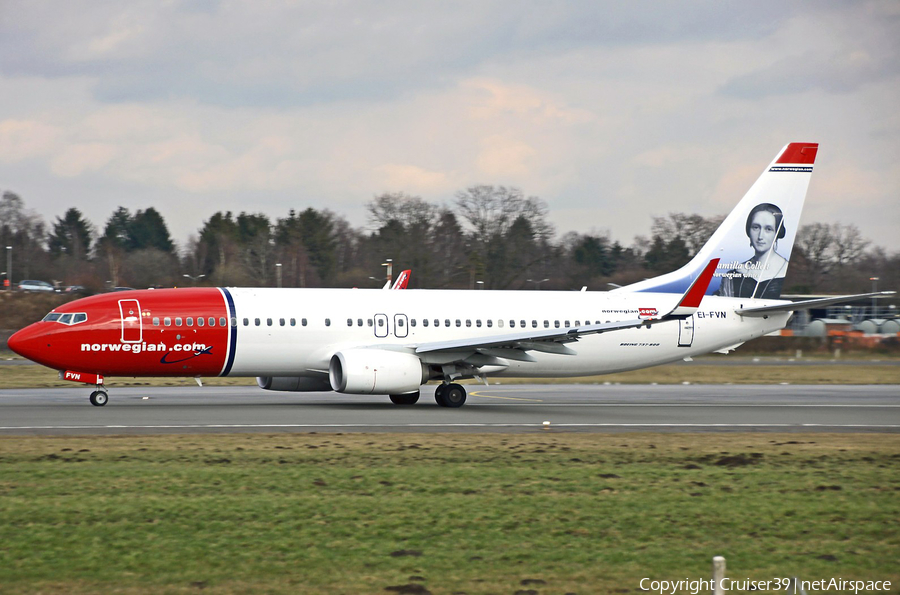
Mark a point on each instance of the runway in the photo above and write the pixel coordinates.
(512, 408)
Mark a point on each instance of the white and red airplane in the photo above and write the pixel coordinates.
(360, 341)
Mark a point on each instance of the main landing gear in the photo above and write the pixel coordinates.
(450, 395)
(99, 397)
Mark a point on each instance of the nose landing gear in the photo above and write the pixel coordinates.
(99, 397)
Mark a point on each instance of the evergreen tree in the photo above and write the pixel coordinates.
(71, 235)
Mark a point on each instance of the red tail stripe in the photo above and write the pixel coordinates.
(799, 153)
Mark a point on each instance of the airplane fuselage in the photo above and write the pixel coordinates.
(207, 332)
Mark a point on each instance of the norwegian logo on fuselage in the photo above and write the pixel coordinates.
(647, 312)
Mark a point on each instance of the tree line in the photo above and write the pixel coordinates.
(494, 237)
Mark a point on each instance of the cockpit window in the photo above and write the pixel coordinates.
(69, 319)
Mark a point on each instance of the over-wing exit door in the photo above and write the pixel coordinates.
(381, 325)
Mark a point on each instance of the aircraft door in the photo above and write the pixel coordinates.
(401, 324)
(132, 329)
(381, 325)
(686, 332)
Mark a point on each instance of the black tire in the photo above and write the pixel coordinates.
(454, 396)
(439, 394)
(407, 399)
(99, 398)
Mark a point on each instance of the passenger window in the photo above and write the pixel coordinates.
(281, 322)
(400, 322)
(547, 324)
(256, 321)
(233, 321)
(156, 321)
(380, 322)
(223, 322)
(458, 322)
(246, 322)
(190, 321)
(556, 324)
(512, 324)
(327, 322)
(412, 322)
(201, 322)
(490, 323)
(500, 323)
(369, 322)
(349, 322)
(212, 321)
(424, 322)
(577, 323)
(534, 323)
(293, 322)
(303, 321)
(437, 322)
(567, 324)
(478, 323)
(359, 322)
(447, 322)
(522, 323)
(178, 321)
(468, 323)
(167, 321)
(268, 322)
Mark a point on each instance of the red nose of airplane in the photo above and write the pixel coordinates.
(27, 342)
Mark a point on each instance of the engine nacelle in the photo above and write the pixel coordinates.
(376, 371)
(293, 383)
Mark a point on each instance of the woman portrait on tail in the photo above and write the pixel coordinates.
(763, 275)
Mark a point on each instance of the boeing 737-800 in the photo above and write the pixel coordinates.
(360, 341)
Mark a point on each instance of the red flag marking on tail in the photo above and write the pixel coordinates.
(800, 153)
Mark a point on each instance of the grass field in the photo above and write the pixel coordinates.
(350, 514)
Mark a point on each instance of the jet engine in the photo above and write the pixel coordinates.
(376, 371)
(300, 384)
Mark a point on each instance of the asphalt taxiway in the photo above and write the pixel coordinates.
(509, 408)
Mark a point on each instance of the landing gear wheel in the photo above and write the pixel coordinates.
(407, 399)
(99, 398)
(439, 394)
(454, 396)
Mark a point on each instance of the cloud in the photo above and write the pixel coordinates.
(610, 112)
(26, 139)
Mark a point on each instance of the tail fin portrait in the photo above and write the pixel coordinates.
(754, 243)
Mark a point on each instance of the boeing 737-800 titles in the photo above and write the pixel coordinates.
(360, 341)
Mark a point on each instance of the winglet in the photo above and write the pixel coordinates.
(690, 301)
(402, 280)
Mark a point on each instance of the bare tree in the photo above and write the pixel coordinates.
(816, 241)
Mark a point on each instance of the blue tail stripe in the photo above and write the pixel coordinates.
(233, 335)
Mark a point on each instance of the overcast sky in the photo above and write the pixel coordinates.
(611, 112)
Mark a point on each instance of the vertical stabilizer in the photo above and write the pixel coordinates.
(755, 241)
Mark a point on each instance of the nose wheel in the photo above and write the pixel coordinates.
(99, 398)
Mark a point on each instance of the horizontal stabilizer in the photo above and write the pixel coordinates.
(808, 304)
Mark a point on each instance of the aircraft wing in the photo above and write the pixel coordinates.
(514, 345)
(808, 304)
